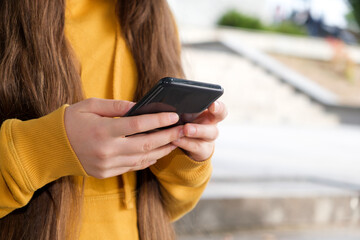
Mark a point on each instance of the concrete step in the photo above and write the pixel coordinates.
(230, 67)
(251, 94)
(270, 203)
(280, 177)
(281, 234)
(327, 154)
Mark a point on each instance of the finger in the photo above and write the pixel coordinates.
(144, 143)
(141, 161)
(197, 149)
(121, 170)
(204, 132)
(107, 107)
(215, 113)
(218, 109)
(137, 124)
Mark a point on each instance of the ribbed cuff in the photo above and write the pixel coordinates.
(178, 167)
(43, 151)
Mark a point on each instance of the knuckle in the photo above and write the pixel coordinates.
(143, 160)
(91, 103)
(146, 147)
(134, 163)
(102, 153)
(135, 124)
(174, 136)
(102, 169)
(118, 106)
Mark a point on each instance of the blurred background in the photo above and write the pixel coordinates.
(287, 162)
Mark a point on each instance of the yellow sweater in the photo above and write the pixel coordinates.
(36, 152)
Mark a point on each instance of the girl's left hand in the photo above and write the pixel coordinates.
(199, 137)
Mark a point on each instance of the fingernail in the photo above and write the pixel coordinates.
(216, 106)
(174, 117)
(191, 130)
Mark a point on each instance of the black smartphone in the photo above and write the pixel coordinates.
(185, 97)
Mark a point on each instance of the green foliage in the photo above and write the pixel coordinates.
(236, 19)
(350, 17)
(288, 27)
(356, 9)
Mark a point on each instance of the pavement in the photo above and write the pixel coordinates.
(284, 168)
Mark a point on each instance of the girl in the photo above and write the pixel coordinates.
(69, 70)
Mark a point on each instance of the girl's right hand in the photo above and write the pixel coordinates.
(104, 144)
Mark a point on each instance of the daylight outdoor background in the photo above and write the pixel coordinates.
(287, 162)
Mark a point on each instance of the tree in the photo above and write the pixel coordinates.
(356, 10)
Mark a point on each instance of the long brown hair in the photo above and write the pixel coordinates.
(149, 30)
(39, 73)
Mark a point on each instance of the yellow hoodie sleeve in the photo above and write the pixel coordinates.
(182, 181)
(32, 154)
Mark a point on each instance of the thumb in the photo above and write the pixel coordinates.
(107, 107)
